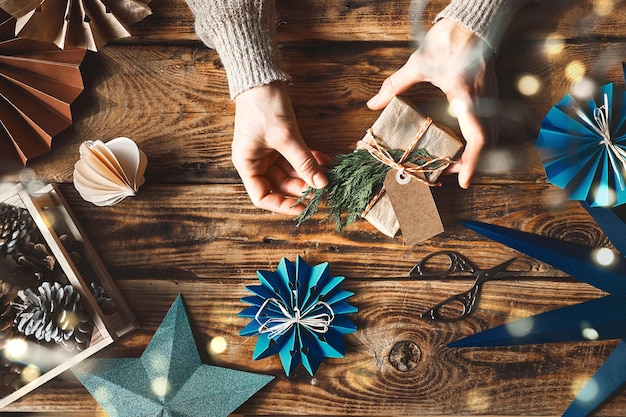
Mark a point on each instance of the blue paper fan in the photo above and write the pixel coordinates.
(299, 313)
(583, 147)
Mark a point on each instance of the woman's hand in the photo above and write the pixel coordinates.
(269, 153)
(458, 62)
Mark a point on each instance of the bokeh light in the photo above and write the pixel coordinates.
(528, 85)
(217, 345)
(555, 199)
(34, 186)
(604, 256)
(583, 88)
(15, 350)
(603, 7)
(586, 390)
(554, 44)
(30, 373)
(457, 108)
(68, 320)
(575, 71)
(604, 196)
(477, 401)
(520, 323)
(158, 362)
(590, 333)
(102, 394)
(497, 161)
(160, 386)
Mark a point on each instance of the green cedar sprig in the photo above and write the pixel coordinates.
(353, 180)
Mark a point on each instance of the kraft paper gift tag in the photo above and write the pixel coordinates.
(396, 128)
(414, 207)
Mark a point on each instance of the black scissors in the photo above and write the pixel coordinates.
(443, 264)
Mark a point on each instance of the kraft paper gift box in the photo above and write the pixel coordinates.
(396, 128)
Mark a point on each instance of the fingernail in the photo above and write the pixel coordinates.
(374, 100)
(319, 180)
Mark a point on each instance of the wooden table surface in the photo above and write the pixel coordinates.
(192, 229)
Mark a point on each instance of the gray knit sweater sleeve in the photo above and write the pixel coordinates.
(488, 19)
(243, 34)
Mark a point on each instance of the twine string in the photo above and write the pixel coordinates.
(277, 326)
(602, 126)
(383, 156)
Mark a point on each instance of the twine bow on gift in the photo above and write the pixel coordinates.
(434, 164)
(277, 326)
(602, 127)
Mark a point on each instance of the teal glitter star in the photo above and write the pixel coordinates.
(168, 379)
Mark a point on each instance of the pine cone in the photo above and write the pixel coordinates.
(36, 259)
(103, 298)
(73, 247)
(7, 313)
(10, 377)
(54, 313)
(16, 224)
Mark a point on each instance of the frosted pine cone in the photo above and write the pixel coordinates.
(53, 313)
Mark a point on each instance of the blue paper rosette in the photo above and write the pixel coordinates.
(582, 144)
(298, 312)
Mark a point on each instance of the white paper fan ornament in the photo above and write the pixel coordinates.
(106, 173)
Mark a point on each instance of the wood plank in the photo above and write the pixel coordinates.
(214, 232)
(388, 20)
(474, 381)
(193, 230)
(174, 102)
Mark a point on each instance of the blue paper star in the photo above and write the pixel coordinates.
(298, 312)
(168, 379)
(604, 317)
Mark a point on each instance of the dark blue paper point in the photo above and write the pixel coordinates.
(597, 319)
(612, 226)
(576, 260)
(607, 380)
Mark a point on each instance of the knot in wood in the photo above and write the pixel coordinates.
(405, 355)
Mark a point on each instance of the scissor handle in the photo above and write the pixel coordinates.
(453, 308)
(429, 266)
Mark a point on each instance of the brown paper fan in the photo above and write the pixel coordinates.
(38, 82)
(87, 24)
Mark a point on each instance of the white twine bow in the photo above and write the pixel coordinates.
(277, 326)
(602, 126)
